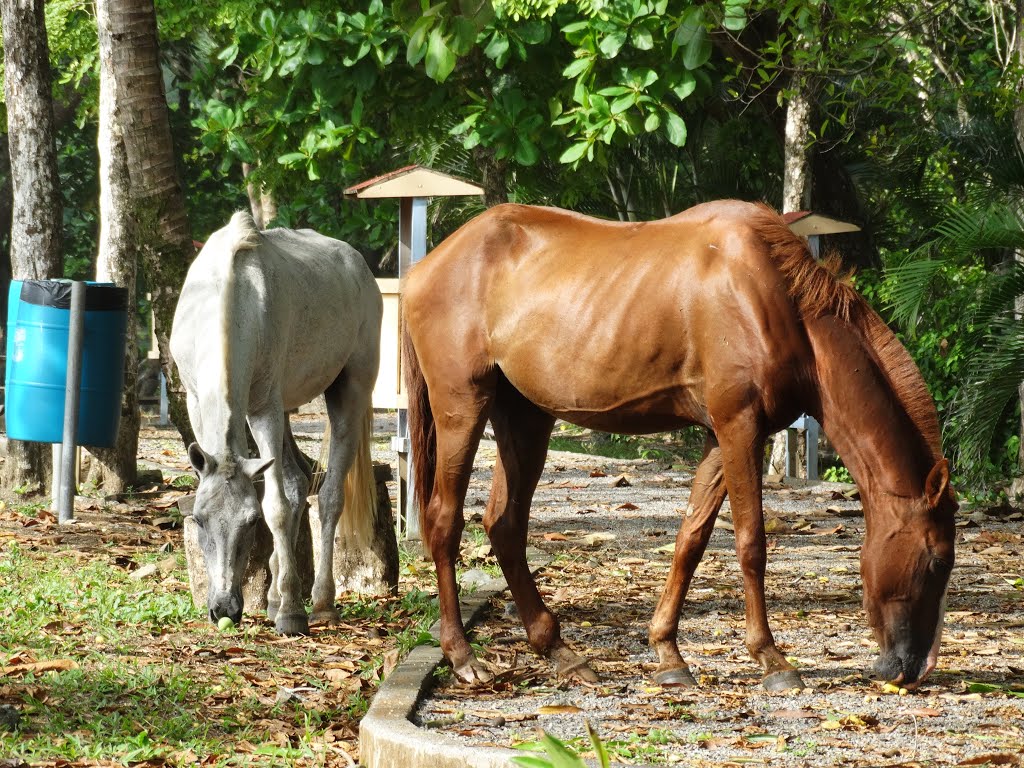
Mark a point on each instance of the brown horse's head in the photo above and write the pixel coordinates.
(905, 565)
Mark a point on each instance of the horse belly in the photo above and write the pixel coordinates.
(632, 384)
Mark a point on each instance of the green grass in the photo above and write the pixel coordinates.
(143, 676)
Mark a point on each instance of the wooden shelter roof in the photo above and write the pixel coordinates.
(808, 223)
(413, 181)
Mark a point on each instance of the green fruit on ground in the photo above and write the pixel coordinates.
(225, 623)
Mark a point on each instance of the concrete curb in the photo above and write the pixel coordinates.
(387, 736)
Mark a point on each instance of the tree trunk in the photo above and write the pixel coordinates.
(796, 186)
(796, 196)
(115, 469)
(494, 176)
(36, 215)
(158, 210)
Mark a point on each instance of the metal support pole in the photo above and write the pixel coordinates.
(412, 246)
(164, 402)
(72, 390)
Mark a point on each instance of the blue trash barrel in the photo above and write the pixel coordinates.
(38, 324)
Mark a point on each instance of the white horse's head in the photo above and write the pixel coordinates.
(227, 512)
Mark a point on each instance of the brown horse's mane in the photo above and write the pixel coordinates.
(820, 288)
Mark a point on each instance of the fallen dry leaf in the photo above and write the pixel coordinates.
(558, 709)
(36, 667)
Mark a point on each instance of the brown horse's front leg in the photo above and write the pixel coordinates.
(706, 497)
(741, 454)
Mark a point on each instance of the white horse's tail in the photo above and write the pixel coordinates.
(360, 511)
(242, 232)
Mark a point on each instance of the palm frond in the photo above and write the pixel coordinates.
(990, 391)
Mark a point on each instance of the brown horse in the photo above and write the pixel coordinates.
(718, 316)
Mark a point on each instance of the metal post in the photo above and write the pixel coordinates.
(412, 246)
(812, 447)
(164, 402)
(72, 388)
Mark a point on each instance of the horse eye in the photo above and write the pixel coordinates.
(940, 566)
(199, 521)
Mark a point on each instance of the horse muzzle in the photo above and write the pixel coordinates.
(225, 604)
(907, 670)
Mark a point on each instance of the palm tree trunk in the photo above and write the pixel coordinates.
(157, 200)
(36, 214)
(115, 469)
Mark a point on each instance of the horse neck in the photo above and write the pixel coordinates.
(886, 447)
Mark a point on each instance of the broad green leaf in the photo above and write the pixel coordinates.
(595, 741)
(574, 153)
(526, 151)
(440, 61)
(463, 35)
(561, 756)
(611, 44)
(268, 22)
(686, 85)
(652, 123)
(675, 128)
(229, 54)
(577, 67)
(697, 51)
(417, 47)
(623, 103)
(643, 40)
(497, 48)
(533, 32)
(691, 23)
(292, 158)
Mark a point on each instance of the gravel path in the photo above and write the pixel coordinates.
(610, 548)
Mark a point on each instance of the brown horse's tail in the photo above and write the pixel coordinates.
(421, 427)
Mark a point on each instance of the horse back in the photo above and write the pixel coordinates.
(278, 317)
(619, 326)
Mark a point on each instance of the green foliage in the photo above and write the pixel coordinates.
(561, 756)
(968, 269)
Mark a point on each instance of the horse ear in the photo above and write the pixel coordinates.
(937, 483)
(201, 461)
(253, 468)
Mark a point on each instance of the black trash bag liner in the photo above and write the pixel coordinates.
(57, 293)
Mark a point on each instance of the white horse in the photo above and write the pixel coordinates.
(266, 321)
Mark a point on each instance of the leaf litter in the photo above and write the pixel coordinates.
(605, 575)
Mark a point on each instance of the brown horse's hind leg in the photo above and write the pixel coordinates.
(460, 415)
(522, 431)
(706, 497)
(742, 467)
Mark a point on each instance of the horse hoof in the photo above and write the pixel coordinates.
(296, 624)
(785, 680)
(680, 676)
(576, 669)
(330, 616)
(473, 672)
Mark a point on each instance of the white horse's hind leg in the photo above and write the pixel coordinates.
(268, 428)
(347, 401)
